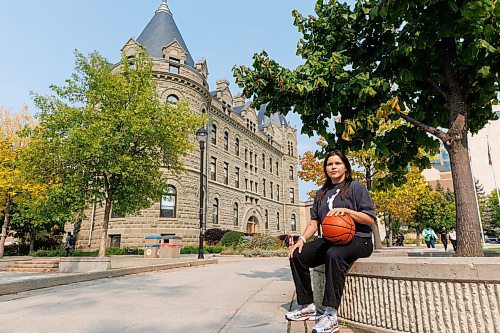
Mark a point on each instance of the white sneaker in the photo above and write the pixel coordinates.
(302, 313)
(326, 324)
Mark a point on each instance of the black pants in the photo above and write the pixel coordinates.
(454, 243)
(337, 259)
(445, 243)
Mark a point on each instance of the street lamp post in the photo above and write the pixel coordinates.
(201, 136)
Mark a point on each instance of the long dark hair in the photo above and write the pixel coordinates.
(328, 181)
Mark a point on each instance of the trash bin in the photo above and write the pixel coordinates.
(170, 247)
(151, 251)
(152, 247)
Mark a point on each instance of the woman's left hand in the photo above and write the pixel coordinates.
(339, 212)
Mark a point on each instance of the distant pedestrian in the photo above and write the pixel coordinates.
(429, 237)
(453, 238)
(70, 244)
(444, 237)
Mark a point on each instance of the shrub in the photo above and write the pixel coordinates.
(231, 238)
(264, 243)
(115, 251)
(193, 249)
(213, 236)
(213, 249)
(189, 249)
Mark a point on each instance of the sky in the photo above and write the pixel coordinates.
(40, 38)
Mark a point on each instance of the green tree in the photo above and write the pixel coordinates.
(432, 63)
(494, 211)
(107, 136)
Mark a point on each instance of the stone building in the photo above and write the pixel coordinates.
(251, 159)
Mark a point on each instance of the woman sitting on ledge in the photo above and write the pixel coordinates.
(339, 195)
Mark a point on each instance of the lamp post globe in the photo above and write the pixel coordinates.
(201, 136)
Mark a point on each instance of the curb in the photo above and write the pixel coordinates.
(27, 285)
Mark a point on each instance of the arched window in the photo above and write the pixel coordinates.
(172, 99)
(226, 141)
(235, 214)
(215, 212)
(294, 223)
(263, 161)
(168, 204)
(277, 221)
(237, 147)
(214, 134)
(266, 222)
(290, 172)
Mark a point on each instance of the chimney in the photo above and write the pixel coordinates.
(222, 84)
(239, 100)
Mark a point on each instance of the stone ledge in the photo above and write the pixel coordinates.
(27, 285)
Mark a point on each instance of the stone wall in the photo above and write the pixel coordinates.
(397, 294)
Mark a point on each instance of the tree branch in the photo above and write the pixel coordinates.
(437, 88)
(432, 130)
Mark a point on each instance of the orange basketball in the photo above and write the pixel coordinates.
(338, 229)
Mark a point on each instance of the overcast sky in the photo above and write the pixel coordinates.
(40, 37)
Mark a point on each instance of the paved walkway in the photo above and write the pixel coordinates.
(235, 295)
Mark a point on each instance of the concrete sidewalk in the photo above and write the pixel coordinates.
(235, 295)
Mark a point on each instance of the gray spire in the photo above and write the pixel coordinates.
(164, 7)
(160, 32)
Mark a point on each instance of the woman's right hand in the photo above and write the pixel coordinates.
(298, 245)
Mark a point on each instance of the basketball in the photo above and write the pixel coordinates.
(338, 229)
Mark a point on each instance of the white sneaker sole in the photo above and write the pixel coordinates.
(300, 319)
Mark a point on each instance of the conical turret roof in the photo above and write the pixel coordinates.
(160, 32)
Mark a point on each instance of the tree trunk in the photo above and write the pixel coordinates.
(468, 227)
(417, 241)
(377, 242)
(104, 231)
(389, 240)
(32, 241)
(6, 220)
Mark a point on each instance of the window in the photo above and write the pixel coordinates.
(115, 240)
(215, 212)
(246, 183)
(175, 69)
(270, 165)
(168, 204)
(271, 190)
(263, 161)
(277, 221)
(213, 168)
(237, 147)
(277, 191)
(226, 173)
(226, 141)
(266, 219)
(174, 65)
(237, 178)
(263, 187)
(172, 99)
(277, 168)
(214, 134)
(294, 223)
(292, 195)
(235, 214)
(290, 172)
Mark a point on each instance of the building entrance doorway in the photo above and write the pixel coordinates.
(253, 226)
